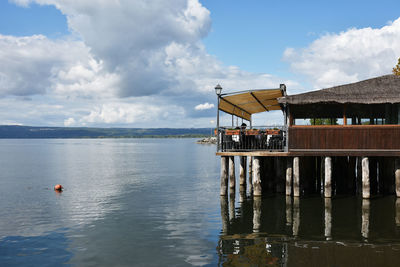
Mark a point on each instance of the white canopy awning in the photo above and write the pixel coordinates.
(244, 104)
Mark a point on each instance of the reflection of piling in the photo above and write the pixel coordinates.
(296, 216)
(242, 193)
(232, 204)
(398, 212)
(328, 218)
(365, 218)
(224, 214)
(224, 176)
(256, 214)
(288, 210)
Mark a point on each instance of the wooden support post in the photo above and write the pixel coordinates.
(373, 175)
(359, 176)
(224, 176)
(289, 176)
(242, 175)
(257, 176)
(351, 175)
(397, 176)
(279, 177)
(232, 177)
(328, 177)
(251, 175)
(366, 191)
(296, 177)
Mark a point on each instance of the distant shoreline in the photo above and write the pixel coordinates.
(33, 132)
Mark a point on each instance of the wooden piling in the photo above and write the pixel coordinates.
(224, 176)
(296, 177)
(279, 174)
(366, 191)
(257, 190)
(373, 175)
(232, 177)
(328, 177)
(289, 176)
(359, 176)
(397, 176)
(242, 174)
(250, 175)
(351, 175)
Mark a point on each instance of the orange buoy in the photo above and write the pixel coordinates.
(58, 188)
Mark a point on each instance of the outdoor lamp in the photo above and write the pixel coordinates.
(218, 89)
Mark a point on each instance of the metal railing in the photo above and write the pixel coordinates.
(266, 138)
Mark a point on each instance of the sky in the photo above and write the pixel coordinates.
(155, 63)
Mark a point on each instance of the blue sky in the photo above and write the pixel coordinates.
(154, 63)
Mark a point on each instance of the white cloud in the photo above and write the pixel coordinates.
(125, 63)
(37, 65)
(69, 122)
(204, 106)
(129, 113)
(349, 56)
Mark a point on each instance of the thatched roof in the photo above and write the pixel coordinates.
(380, 90)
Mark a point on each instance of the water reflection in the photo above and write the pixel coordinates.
(328, 218)
(311, 231)
(50, 249)
(365, 219)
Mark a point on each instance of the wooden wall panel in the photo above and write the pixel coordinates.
(345, 137)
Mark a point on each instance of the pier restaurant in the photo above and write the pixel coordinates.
(339, 140)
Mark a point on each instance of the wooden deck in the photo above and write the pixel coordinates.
(317, 152)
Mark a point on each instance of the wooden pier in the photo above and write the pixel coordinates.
(352, 145)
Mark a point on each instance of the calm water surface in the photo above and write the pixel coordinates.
(155, 202)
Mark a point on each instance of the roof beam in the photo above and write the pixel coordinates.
(236, 106)
(259, 102)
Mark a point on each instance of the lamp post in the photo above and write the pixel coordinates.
(218, 90)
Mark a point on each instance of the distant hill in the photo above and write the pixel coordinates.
(12, 131)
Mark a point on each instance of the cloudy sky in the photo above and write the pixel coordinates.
(154, 63)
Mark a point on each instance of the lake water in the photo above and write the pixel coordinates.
(155, 202)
